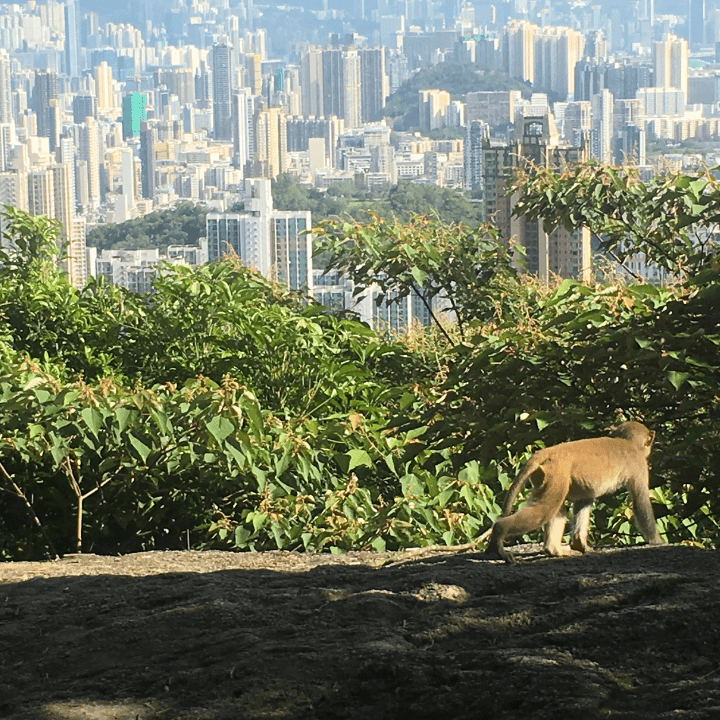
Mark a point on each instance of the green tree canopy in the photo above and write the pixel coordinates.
(182, 225)
(455, 78)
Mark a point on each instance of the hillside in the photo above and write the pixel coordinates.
(628, 633)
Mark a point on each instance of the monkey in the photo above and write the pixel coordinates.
(578, 471)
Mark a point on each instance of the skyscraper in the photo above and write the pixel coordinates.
(271, 141)
(268, 240)
(473, 149)
(311, 81)
(40, 192)
(374, 84)
(291, 249)
(89, 154)
(431, 106)
(557, 50)
(133, 113)
(253, 70)
(6, 114)
(561, 252)
(147, 159)
(602, 126)
(519, 53)
(341, 85)
(670, 63)
(241, 121)
(222, 72)
(83, 106)
(104, 87)
(45, 90)
(72, 39)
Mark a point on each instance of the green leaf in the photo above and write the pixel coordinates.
(677, 378)
(93, 419)
(220, 428)
(138, 443)
(123, 417)
(358, 458)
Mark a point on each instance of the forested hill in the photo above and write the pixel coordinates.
(457, 79)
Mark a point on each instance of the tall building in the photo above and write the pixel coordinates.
(473, 149)
(271, 141)
(6, 109)
(83, 106)
(670, 63)
(13, 189)
(628, 132)
(133, 114)
(431, 107)
(40, 196)
(311, 81)
(222, 73)
(557, 51)
(519, 50)
(253, 69)
(341, 85)
(291, 249)
(560, 252)
(577, 122)
(72, 39)
(374, 84)
(75, 261)
(492, 107)
(148, 137)
(73, 256)
(602, 126)
(8, 140)
(44, 91)
(242, 120)
(49, 192)
(89, 156)
(104, 93)
(127, 171)
(67, 154)
(268, 240)
(241, 234)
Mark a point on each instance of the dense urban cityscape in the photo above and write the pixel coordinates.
(107, 114)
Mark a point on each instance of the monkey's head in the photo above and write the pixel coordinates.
(636, 433)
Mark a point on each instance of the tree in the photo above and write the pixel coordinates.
(443, 264)
(672, 219)
(182, 225)
(457, 79)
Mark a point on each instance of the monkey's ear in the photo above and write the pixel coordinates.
(651, 437)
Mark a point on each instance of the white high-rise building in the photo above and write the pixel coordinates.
(13, 189)
(241, 122)
(6, 109)
(292, 250)
(104, 88)
(89, 157)
(602, 126)
(519, 39)
(40, 193)
(557, 50)
(268, 240)
(311, 81)
(341, 80)
(670, 63)
(72, 39)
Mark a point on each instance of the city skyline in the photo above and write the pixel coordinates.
(103, 121)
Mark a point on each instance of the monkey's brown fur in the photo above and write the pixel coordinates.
(579, 472)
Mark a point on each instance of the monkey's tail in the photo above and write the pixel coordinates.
(518, 484)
